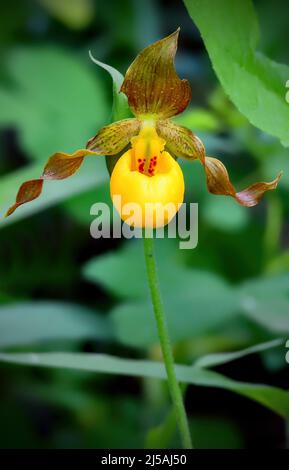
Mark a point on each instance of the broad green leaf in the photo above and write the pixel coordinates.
(56, 102)
(273, 398)
(107, 270)
(34, 322)
(212, 360)
(266, 302)
(92, 174)
(189, 309)
(266, 287)
(224, 214)
(272, 314)
(254, 83)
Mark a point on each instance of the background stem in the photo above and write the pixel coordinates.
(174, 387)
(273, 228)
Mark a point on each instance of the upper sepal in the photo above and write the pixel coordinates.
(152, 84)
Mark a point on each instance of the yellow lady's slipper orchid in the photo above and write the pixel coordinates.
(146, 172)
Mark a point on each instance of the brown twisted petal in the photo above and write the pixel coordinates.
(27, 192)
(59, 166)
(218, 182)
(152, 84)
(180, 141)
(113, 138)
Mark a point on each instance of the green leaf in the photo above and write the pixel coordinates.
(266, 287)
(56, 101)
(272, 314)
(108, 270)
(191, 312)
(120, 108)
(34, 322)
(224, 214)
(212, 360)
(189, 309)
(266, 301)
(92, 174)
(273, 398)
(254, 83)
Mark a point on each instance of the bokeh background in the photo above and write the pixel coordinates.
(60, 290)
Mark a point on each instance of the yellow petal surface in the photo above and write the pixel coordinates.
(147, 201)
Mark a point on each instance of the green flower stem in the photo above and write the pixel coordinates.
(174, 387)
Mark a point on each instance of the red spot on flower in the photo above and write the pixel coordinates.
(152, 164)
(141, 164)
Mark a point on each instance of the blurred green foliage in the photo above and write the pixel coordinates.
(78, 305)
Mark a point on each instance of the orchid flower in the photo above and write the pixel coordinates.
(147, 146)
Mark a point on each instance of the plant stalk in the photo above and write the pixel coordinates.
(165, 343)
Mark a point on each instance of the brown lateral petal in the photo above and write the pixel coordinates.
(218, 182)
(113, 138)
(62, 165)
(59, 166)
(181, 141)
(27, 192)
(152, 84)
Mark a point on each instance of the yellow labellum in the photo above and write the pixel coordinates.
(147, 184)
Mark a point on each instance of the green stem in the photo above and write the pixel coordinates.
(174, 387)
(273, 228)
